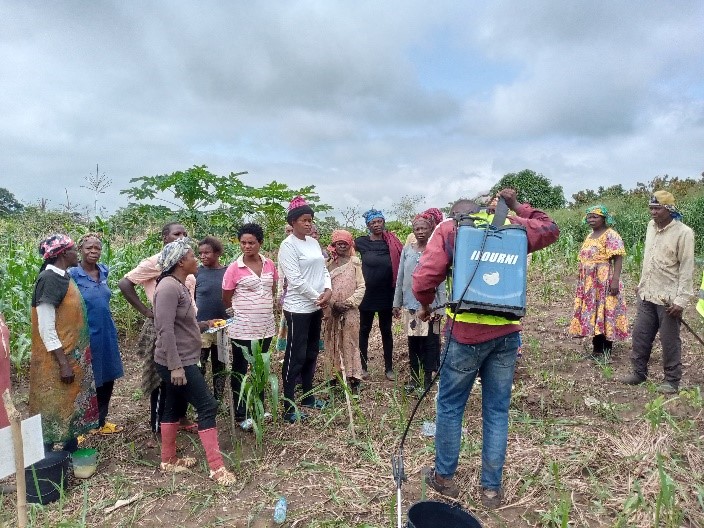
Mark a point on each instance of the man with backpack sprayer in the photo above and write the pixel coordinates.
(479, 344)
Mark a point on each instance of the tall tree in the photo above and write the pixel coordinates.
(8, 203)
(533, 188)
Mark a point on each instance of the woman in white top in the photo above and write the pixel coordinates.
(308, 292)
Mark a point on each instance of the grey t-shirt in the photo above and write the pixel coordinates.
(209, 293)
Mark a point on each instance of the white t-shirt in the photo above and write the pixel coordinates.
(303, 265)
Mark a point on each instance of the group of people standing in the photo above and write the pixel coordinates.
(71, 382)
(76, 359)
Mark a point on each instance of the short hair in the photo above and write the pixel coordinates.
(252, 229)
(464, 206)
(167, 228)
(213, 242)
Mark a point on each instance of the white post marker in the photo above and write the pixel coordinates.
(27, 448)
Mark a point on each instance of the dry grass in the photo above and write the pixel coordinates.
(582, 448)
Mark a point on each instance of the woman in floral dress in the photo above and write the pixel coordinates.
(599, 309)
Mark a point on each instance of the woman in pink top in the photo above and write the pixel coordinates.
(248, 286)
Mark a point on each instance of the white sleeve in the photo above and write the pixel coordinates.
(46, 320)
(288, 260)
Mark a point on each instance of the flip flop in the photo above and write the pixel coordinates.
(109, 428)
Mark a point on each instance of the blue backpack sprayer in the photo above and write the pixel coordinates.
(489, 276)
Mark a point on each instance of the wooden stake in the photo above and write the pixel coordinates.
(16, 426)
(344, 380)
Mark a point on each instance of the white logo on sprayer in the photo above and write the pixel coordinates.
(492, 279)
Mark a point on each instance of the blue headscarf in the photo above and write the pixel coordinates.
(373, 214)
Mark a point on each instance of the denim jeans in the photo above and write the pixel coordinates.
(495, 361)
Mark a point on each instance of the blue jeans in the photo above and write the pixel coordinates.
(495, 361)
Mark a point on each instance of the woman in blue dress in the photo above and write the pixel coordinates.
(92, 280)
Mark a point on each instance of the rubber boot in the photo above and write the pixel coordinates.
(168, 441)
(209, 439)
(218, 471)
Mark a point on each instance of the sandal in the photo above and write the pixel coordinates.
(223, 477)
(109, 428)
(179, 465)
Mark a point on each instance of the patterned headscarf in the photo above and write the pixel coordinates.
(600, 210)
(666, 200)
(85, 237)
(372, 214)
(297, 208)
(172, 253)
(339, 235)
(431, 216)
(54, 245)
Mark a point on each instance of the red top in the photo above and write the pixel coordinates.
(436, 261)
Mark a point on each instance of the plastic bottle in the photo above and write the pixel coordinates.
(280, 510)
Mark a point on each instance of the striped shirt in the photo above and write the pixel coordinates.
(252, 300)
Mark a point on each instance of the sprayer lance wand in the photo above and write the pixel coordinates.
(685, 324)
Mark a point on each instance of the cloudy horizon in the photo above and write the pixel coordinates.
(367, 101)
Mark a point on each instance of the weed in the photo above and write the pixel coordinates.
(259, 385)
(693, 397)
(666, 509)
(632, 505)
(656, 414)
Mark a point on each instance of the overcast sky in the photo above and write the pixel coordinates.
(366, 100)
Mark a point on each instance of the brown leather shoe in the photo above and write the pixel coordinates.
(440, 484)
(491, 499)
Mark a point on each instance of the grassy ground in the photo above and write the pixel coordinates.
(583, 449)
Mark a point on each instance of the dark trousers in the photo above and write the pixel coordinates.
(218, 369)
(157, 405)
(424, 351)
(302, 345)
(239, 370)
(601, 345)
(195, 392)
(650, 319)
(366, 319)
(104, 393)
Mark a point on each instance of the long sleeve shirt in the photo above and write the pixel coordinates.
(668, 264)
(303, 266)
(436, 261)
(177, 332)
(403, 296)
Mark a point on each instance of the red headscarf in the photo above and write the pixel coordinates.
(433, 215)
(339, 235)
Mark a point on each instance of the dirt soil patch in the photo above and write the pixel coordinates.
(582, 447)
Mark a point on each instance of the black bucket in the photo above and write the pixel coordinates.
(46, 479)
(433, 514)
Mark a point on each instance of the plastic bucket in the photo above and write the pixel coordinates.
(85, 462)
(46, 479)
(431, 514)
